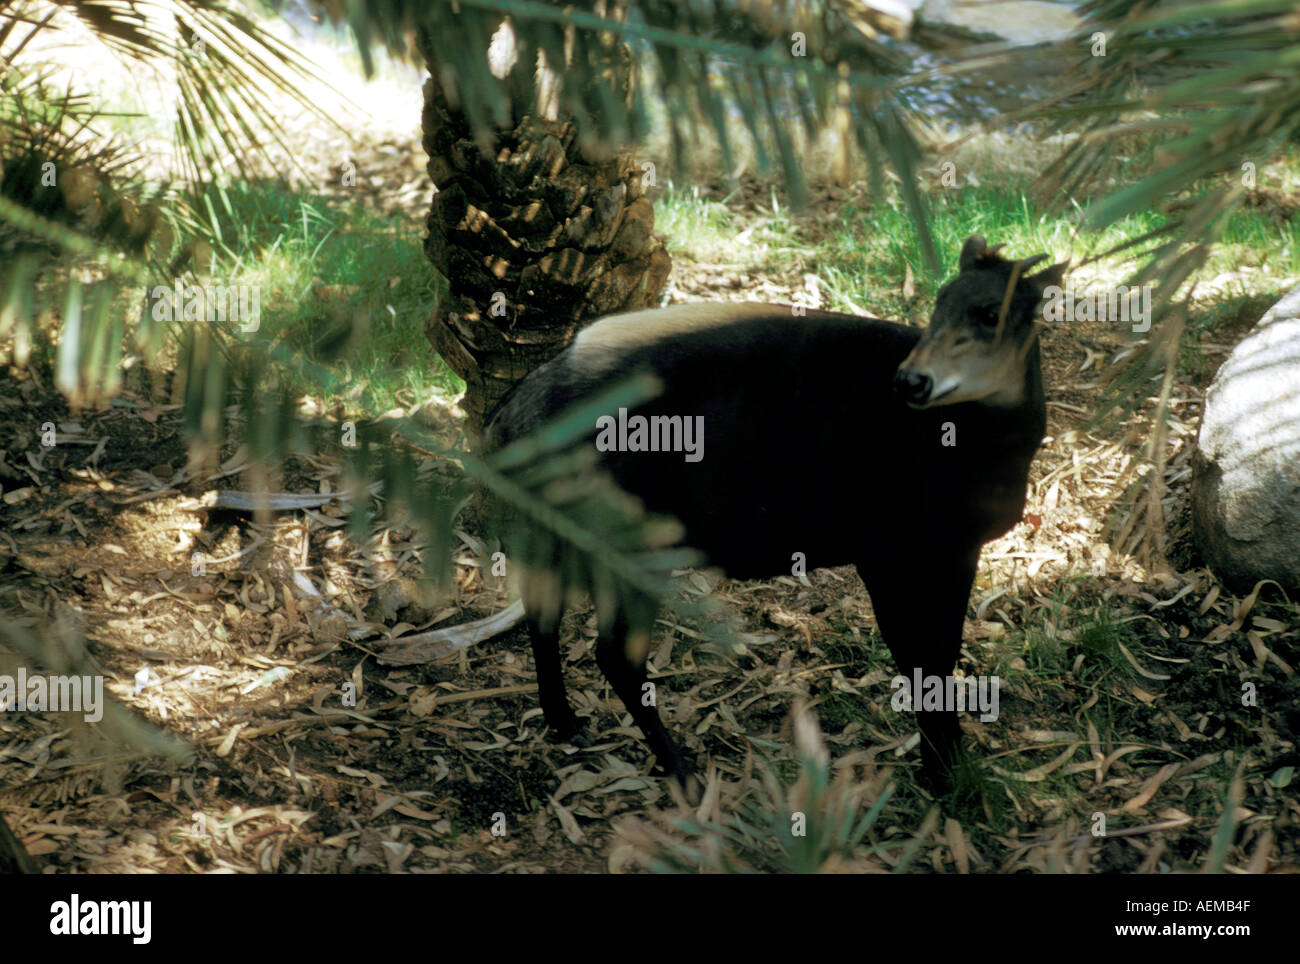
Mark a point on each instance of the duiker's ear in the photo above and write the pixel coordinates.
(971, 252)
(1050, 276)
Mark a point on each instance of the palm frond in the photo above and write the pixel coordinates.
(781, 68)
(1220, 82)
(814, 823)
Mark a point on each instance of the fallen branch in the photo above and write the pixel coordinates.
(487, 694)
(424, 647)
(276, 501)
(420, 647)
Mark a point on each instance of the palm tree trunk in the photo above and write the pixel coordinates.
(535, 236)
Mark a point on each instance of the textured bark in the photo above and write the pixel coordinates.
(535, 238)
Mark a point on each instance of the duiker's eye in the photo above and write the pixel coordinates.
(988, 317)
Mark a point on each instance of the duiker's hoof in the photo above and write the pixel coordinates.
(568, 731)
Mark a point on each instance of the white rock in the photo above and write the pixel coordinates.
(1018, 21)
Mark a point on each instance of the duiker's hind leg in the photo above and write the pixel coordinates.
(622, 646)
(543, 607)
(920, 606)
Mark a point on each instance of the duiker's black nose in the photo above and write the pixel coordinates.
(912, 385)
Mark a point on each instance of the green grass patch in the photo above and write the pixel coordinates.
(859, 654)
(348, 287)
(865, 261)
(704, 229)
(1084, 644)
(838, 709)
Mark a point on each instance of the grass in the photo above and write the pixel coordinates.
(858, 654)
(1079, 637)
(864, 262)
(978, 799)
(837, 709)
(704, 229)
(346, 286)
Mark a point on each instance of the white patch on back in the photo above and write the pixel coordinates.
(617, 335)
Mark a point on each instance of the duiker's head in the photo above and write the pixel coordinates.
(981, 334)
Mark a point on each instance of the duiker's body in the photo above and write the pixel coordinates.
(823, 434)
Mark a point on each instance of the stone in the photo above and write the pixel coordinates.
(1246, 478)
(1016, 21)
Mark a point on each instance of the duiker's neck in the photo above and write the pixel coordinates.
(1018, 419)
(1034, 399)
